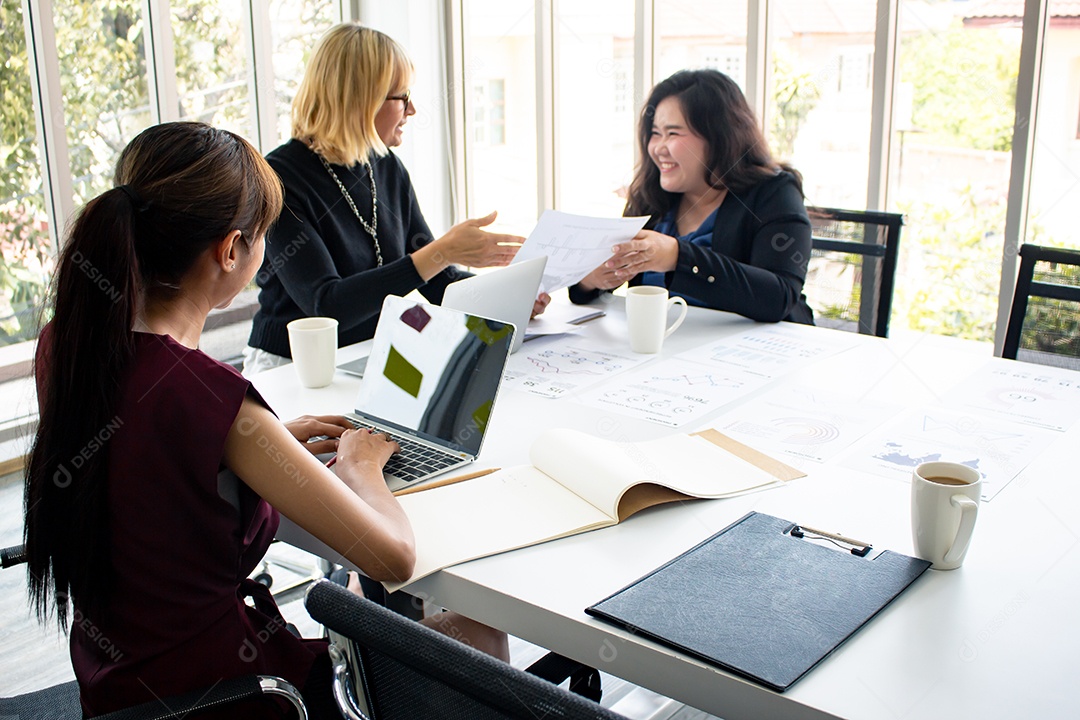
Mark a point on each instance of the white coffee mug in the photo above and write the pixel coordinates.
(313, 342)
(646, 316)
(944, 506)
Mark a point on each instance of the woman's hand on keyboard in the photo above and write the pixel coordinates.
(318, 433)
(366, 450)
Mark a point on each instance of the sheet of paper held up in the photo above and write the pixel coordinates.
(575, 245)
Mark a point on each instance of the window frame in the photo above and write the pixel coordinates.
(57, 182)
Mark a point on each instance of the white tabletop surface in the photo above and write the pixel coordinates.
(993, 639)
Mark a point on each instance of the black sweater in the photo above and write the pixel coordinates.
(320, 260)
(756, 265)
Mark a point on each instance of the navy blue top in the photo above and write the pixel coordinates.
(701, 236)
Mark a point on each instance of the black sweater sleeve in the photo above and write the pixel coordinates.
(321, 261)
(311, 279)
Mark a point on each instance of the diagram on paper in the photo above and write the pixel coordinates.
(695, 379)
(674, 392)
(574, 361)
(769, 351)
(998, 449)
(1030, 394)
(553, 367)
(802, 423)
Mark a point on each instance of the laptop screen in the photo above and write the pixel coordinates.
(434, 371)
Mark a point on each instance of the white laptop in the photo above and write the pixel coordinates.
(431, 381)
(505, 294)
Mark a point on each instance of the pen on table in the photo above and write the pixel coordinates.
(586, 318)
(448, 481)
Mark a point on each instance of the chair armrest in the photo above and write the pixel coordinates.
(11, 556)
(246, 687)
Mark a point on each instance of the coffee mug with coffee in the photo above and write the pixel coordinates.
(646, 316)
(944, 506)
(313, 343)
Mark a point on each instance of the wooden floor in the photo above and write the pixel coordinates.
(33, 656)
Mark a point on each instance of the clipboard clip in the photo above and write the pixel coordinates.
(855, 547)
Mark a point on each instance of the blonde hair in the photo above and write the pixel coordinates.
(349, 76)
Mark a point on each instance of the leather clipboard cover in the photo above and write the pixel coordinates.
(758, 602)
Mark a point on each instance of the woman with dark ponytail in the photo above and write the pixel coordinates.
(727, 226)
(133, 536)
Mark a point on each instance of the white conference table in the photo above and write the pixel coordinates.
(994, 639)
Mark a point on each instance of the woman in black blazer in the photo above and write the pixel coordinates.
(727, 226)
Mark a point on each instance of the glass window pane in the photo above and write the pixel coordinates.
(500, 144)
(211, 63)
(295, 26)
(26, 258)
(1055, 178)
(953, 112)
(819, 107)
(692, 35)
(103, 79)
(596, 111)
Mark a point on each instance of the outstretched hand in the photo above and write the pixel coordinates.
(467, 243)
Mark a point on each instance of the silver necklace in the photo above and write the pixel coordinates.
(372, 227)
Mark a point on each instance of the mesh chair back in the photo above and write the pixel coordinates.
(1044, 322)
(53, 703)
(410, 671)
(852, 269)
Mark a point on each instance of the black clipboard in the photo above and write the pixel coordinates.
(760, 602)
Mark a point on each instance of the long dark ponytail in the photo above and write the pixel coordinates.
(716, 109)
(180, 187)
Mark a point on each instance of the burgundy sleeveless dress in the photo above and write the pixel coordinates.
(184, 537)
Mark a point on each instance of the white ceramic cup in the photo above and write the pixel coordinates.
(646, 316)
(944, 506)
(313, 342)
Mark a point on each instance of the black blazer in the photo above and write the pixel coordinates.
(756, 263)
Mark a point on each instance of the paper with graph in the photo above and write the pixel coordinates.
(675, 392)
(804, 423)
(999, 449)
(1046, 397)
(575, 245)
(557, 366)
(770, 350)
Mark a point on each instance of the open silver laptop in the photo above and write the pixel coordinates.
(505, 294)
(431, 381)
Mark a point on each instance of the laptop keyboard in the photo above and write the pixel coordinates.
(415, 460)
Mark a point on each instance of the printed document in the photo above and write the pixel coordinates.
(575, 245)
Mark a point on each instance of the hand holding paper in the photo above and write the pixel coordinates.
(574, 244)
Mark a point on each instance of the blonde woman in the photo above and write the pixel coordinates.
(351, 232)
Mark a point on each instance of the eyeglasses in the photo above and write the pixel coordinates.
(404, 98)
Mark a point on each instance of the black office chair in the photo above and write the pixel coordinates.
(61, 702)
(406, 670)
(1044, 322)
(852, 268)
